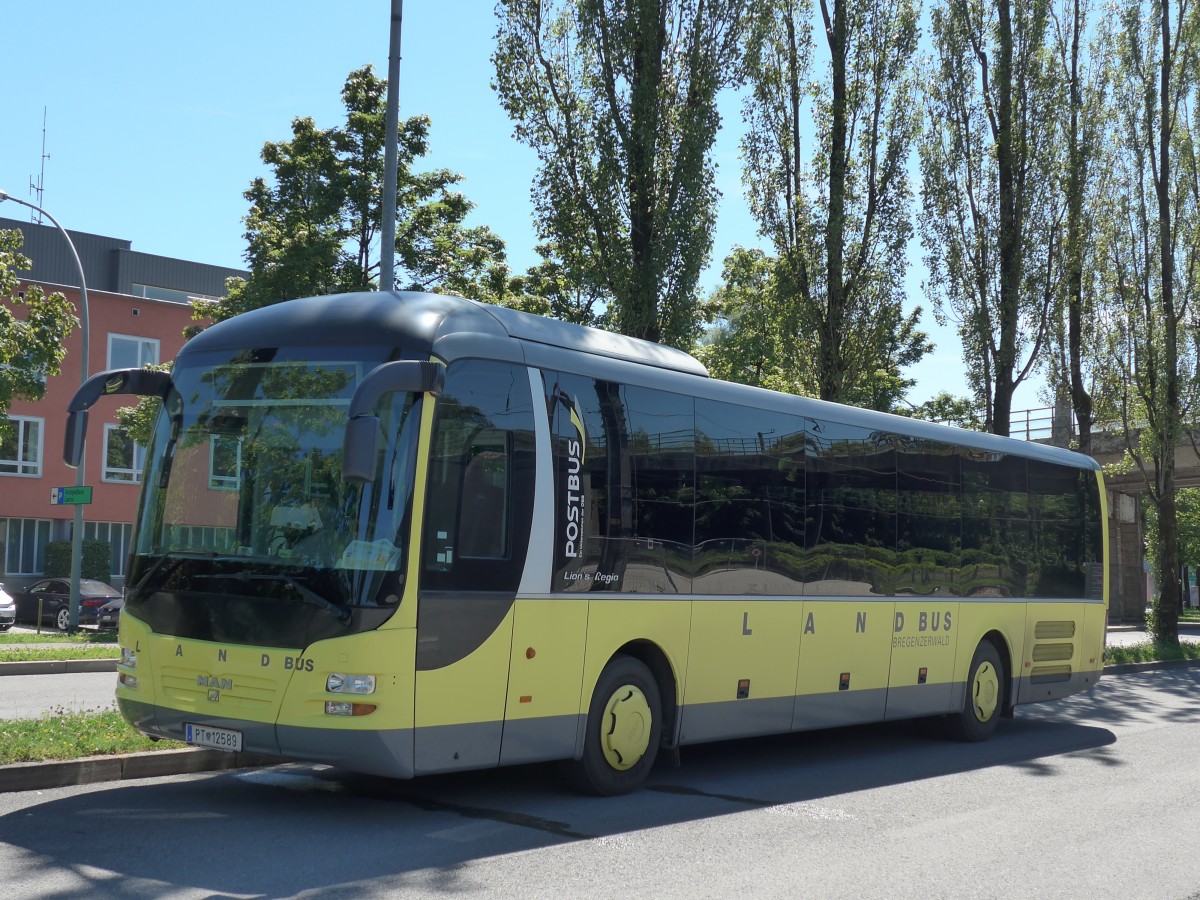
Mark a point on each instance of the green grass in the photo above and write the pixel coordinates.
(59, 637)
(1150, 652)
(60, 734)
(53, 654)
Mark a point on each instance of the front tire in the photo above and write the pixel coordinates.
(624, 727)
(984, 703)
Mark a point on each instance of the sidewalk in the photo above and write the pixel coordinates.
(156, 764)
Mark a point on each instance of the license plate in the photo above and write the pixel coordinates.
(213, 738)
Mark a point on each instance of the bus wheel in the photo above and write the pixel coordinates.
(624, 725)
(984, 702)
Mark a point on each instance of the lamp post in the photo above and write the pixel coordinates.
(77, 529)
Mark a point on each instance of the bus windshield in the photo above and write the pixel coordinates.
(244, 511)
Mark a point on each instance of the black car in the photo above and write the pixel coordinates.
(54, 594)
(109, 615)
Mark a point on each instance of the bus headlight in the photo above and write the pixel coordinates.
(337, 683)
(128, 658)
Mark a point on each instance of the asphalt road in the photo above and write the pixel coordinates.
(1090, 797)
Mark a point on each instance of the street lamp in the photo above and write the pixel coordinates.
(77, 529)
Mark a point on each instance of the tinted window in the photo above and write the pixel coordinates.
(749, 501)
(479, 501)
(851, 515)
(995, 547)
(929, 518)
(660, 435)
(1063, 533)
(624, 520)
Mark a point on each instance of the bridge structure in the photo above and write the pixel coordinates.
(1129, 586)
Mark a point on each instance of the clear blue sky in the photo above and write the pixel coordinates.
(157, 112)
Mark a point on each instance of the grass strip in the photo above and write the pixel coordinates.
(44, 654)
(59, 637)
(1150, 652)
(60, 734)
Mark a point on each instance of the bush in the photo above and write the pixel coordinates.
(96, 562)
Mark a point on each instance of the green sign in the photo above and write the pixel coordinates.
(71, 496)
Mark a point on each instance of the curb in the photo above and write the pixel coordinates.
(1165, 665)
(38, 776)
(58, 666)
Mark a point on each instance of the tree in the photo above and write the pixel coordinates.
(991, 217)
(31, 346)
(1152, 260)
(839, 219)
(1074, 338)
(313, 226)
(618, 100)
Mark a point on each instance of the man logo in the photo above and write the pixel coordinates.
(214, 696)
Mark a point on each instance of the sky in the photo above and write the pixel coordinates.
(156, 113)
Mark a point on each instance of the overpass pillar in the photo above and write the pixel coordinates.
(1127, 579)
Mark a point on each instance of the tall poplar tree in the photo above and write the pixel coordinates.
(827, 178)
(991, 217)
(618, 99)
(1153, 259)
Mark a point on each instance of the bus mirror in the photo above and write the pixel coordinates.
(73, 445)
(360, 446)
(140, 382)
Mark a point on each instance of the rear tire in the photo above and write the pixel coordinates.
(984, 703)
(62, 618)
(624, 727)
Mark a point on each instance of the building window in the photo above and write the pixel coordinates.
(25, 548)
(224, 462)
(123, 457)
(171, 295)
(21, 446)
(117, 534)
(129, 352)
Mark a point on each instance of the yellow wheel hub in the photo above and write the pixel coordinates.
(625, 734)
(985, 692)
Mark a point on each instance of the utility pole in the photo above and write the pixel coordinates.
(387, 255)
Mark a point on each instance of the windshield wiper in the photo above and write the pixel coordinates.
(176, 558)
(341, 610)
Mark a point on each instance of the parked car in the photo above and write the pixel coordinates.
(8, 610)
(109, 615)
(55, 597)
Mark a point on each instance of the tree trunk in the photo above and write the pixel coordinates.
(1010, 227)
(1166, 608)
(832, 375)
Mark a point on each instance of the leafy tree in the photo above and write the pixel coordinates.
(991, 217)
(31, 346)
(839, 215)
(962, 412)
(1152, 260)
(617, 98)
(1074, 337)
(313, 226)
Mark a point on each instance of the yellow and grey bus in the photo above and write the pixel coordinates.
(404, 533)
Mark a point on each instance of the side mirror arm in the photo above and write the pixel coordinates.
(360, 445)
(140, 382)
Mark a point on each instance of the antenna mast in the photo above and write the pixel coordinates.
(38, 188)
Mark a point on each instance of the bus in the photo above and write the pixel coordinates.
(404, 533)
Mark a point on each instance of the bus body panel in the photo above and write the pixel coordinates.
(747, 684)
(1056, 662)
(459, 714)
(542, 711)
(845, 657)
(925, 645)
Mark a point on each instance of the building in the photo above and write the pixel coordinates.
(138, 305)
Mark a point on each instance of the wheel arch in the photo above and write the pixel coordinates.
(1004, 649)
(654, 658)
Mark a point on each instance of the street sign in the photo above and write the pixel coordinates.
(71, 496)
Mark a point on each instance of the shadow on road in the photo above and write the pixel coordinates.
(272, 832)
